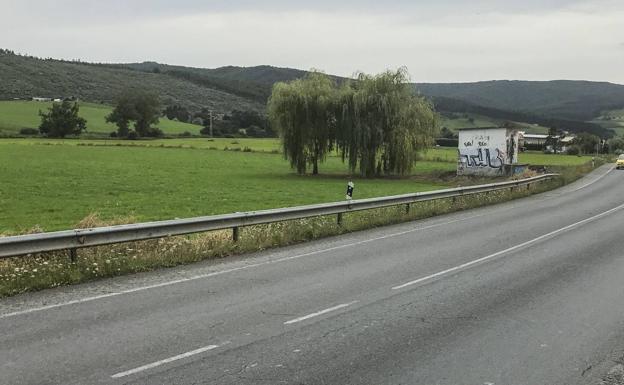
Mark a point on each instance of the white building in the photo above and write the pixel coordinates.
(487, 151)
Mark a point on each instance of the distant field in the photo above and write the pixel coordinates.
(441, 154)
(476, 121)
(255, 144)
(56, 183)
(613, 120)
(15, 115)
(55, 186)
(472, 121)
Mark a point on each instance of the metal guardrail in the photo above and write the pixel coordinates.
(74, 239)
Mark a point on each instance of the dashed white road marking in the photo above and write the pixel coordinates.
(167, 360)
(318, 313)
(510, 249)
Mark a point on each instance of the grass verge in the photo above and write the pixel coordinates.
(47, 270)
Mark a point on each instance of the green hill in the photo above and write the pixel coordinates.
(563, 99)
(25, 77)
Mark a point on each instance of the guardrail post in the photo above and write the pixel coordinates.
(73, 255)
(339, 219)
(528, 186)
(407, 208)
(235, 234)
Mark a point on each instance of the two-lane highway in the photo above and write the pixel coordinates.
(527, 292)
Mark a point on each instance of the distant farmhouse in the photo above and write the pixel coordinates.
(540, 142)
(40, 99)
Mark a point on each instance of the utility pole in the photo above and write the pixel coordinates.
(211, 123)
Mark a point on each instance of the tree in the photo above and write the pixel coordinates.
(301, 112)
(554, 135)
(178, 112)
(587, 143)
(616, 145)
(382, 124)
(61, 120)
(377, 122)
(140, 107)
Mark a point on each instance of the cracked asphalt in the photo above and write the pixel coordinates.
(526, 292)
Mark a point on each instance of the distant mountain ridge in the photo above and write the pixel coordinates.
(566, 99)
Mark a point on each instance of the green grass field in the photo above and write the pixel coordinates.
(476, 121)
(55, 186)
(445, 154)
(56, 183)
(613, 120)
(255, 144)
(15, 115)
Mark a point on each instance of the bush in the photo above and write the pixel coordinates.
(113, 134)
(29, 131)
(573, 150)
(132, 135)
(186, 134)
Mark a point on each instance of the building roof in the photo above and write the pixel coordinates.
(479, 128)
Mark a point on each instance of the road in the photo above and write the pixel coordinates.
(526, 292)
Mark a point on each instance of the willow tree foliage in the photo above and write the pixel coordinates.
(377, 122)
(382, 125)
(301, 112)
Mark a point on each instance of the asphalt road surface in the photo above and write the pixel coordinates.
(526, 292)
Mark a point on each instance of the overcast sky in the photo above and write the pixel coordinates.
(438, 41)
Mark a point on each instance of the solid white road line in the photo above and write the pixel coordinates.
(167, 360)
(595, 180)
(318, 313)
(513, 248)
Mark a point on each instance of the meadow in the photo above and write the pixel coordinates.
(613, 120)
(48, 185)
(475, 121)
(15, 115)
(54, 184)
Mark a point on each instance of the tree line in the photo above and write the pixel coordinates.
(376, 122)
(136, 112)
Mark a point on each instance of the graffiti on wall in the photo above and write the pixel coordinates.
(482, 157)
(485, 151)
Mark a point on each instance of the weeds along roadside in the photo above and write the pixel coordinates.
(48, 270)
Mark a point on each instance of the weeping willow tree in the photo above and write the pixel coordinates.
(301, 111)
(381, 124)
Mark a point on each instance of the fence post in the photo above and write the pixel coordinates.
(235, 234)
